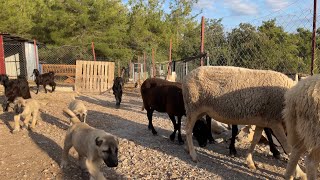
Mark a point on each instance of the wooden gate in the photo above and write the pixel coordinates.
(94, 76)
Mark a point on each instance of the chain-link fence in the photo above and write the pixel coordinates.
(64, 54)
(279, 41)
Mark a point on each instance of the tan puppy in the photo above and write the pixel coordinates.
(25, 108)
(76, 108)
(94, 146)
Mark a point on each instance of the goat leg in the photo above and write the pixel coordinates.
(5, 104)
(37, 88)
(150, 126)
(173, 120)
(179, 131)
(45, 89)
(273, 148)
(232, 148)
(208, 120)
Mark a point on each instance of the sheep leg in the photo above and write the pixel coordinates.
(179, 131)
(150, 126)
(211, 140)
(256, 137)
(279, 133)
(273, 148)
(312, 162)
(297, 150)
(232, 148)
(191, 120)
(45, 89)
(173, 120)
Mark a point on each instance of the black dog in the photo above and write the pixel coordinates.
(44, 79)
(117, 89)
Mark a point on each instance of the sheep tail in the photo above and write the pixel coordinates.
(142, 108)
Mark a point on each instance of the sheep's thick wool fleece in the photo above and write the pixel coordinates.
(236, 93)
(302, 112)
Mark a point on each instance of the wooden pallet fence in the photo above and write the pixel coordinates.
(66, 70)
(94, 76)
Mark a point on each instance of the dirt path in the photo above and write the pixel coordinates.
(36, 155)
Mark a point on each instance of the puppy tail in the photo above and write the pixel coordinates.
(73, 118)
(75, 95)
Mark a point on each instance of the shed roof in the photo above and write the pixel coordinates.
(14, 38)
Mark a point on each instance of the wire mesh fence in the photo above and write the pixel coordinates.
(279, 41)
(63, 54)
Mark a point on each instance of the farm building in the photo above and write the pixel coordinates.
(18, 56)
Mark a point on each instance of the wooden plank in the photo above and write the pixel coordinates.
(90, 76)
(78, 74)
(84, 68)
(98, 76)
(94, 76)
(87, 76)
(111, 74)
(103, 72)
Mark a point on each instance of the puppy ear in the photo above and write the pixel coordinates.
(98, 142)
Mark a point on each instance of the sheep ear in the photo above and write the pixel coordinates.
(98, 142)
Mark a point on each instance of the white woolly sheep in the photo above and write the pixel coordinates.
(236, 95)
(301, 115)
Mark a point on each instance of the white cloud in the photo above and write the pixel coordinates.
(277, 4)
(241, 7)
(205, 4)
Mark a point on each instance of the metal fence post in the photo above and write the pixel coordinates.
(202, 39)
(314, 35)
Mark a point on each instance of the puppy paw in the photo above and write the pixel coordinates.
(24, 127)
(32, 129)
(15, 131)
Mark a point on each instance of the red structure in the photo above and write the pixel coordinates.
(2, 64)
(35, 53)
(93, 52)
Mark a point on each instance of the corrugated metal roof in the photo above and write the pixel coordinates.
(14, 38)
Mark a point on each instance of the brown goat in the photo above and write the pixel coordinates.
(163, 96)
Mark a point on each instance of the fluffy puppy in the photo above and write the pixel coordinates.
(94, 146)
(77, 109)
(27, 109)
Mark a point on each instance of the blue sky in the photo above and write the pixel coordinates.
(289, 13)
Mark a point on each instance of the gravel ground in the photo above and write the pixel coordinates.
(36, 155)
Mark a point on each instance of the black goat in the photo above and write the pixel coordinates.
(44, 79)
(117, 89)
(202, 132)
(14, 88)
